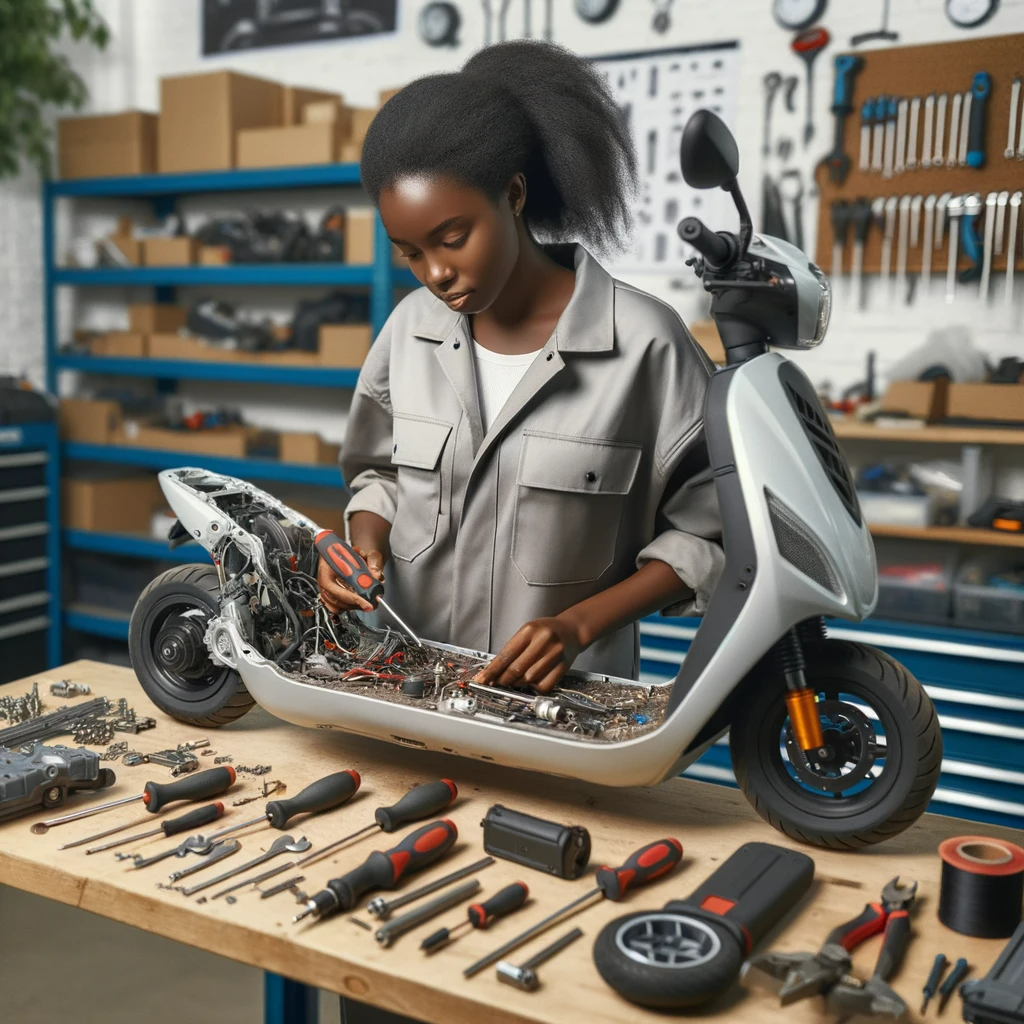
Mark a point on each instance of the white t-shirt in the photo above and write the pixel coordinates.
(496, 378)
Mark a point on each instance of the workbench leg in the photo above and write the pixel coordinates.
(353, 1012)
(288, 1002)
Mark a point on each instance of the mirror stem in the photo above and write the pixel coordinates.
(746, 224)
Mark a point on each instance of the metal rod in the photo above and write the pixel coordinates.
(391, 611)
(288, 883)
(302, 861)
(554, 949)
(387, 933)
(381, 908)
(103, 835)
(43, 826)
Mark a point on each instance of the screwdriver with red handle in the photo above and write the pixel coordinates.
(383, 869)
(645, 865)
(481, 915)
(355, 574)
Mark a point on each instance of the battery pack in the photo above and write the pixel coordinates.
(561, 850)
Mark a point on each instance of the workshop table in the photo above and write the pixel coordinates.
(711, 821)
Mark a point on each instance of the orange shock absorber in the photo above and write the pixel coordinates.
(802, 706)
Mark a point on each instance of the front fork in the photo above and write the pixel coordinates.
(801, 700)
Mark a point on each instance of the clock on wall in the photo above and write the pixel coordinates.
(970, 13)
(439, 23)
(596, 11)
(797, 15)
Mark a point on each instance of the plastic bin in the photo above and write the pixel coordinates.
(918, 588)
(987, 606)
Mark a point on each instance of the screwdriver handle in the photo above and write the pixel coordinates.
(199, 786)
(870, 921)
(323, 795)
(384, 870)
(512, 897)
(194, 819)
(423, 801)
(349, 566)
(646, 864)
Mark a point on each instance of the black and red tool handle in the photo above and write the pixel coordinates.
(646, 864)
(385, 869)
(200, 786)
(503, 902)
(897, 935)
(423, 801)
(870, 921)
(751, 891)
(349, 566)
(323, 795)
(193, 819)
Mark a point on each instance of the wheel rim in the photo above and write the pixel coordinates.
(667, 940)
(858, 764)
(174, 630)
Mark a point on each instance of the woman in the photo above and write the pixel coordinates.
(525, 443)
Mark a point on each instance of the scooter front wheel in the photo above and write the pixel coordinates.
(880, 761)
(166, 640)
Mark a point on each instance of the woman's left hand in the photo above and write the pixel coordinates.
(538, 655)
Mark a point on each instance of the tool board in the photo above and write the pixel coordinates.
(657, 91)
(909, 71)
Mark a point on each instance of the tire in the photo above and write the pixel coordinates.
(673, 974)
(886, 800)
(185, 682)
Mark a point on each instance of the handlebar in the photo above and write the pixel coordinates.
(718, 248)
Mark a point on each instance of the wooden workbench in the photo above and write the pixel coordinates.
(711, 821)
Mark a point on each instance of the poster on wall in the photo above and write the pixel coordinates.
(658, 90)
(230, 25)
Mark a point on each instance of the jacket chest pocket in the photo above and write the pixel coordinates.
(418, 444)
(569, 500)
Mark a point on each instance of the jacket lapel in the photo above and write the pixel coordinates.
(455, 355)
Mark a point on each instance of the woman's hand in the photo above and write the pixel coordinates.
(538, 655)
(336, 595)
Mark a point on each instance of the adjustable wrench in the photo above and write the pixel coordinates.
(1004, 198)
(955, 208)
(1011, 246)
(965, 129)
(223, 849)
(954, 127)
(915, 114)
(1011, 129)
(878, 133)
(973, 204)
(991, 201)
(929, 120)
(901, 246)
(890, 136)
(940, 129)
(772, 83)
(900, 160)
(926, 243)
(890, 230)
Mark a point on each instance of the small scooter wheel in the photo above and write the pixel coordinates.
(665, 959)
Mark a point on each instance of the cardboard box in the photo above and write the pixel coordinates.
(109, 505)
(344, 344)
(294, 146)
(329, 112)
(150, 317)
(169, 251)
(918, 399)
(230, 442)
(214, 256)
(177, 346)
(126, 243)
(201, 116)
(330, 517)
(385, 94)
(295, 100)
(122, 344)
(359, 229)
(992, 402)
(88, 421)
(359, 123)
(705, 333)
(107, 145)
(350, 152)
(307, 449)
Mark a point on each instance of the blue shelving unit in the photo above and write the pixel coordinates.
(163, 191)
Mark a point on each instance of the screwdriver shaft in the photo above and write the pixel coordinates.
(405, 626)
(310, 857)
(103, 835)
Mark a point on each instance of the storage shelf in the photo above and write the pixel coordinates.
(96, 621)
(144, 185)
(239, 274)
(133, 546)
(247, 469)
(855, 431)
(182, 369)
(950, 534)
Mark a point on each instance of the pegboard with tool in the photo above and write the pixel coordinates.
(924, 183)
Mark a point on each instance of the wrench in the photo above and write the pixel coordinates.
(891, 205)
(965, 129)
(940, 129)
(1020, 136)
(900, 161)
(915, 220)
(955, 208)
(878, 133)
(863, 215)
(901, 247)
(890, 137)
(954, 127)
(929, 118)
(991, 201)
(915, 114)
(866, 113)
(1004, 198)
(1011, 130)
(283, 844)
(772, 83)
(1011, 246)
(218, 853)
(926, 244)
(941, 206)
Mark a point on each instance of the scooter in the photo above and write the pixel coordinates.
(833, 742)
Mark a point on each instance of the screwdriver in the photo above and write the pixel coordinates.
(356, 574)
(938, 969)
(157, 795)
(184, 823)
(481, 915)
(383, 869)
(645, 865)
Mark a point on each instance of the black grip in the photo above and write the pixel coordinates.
(512, 897)
(980, 90)
(199, 786)
(323, 795)
(753, 888)
(194, 819)
(897, 934)
(840, 220)
(423, 801)
(716, 248)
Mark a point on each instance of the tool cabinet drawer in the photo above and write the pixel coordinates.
(22, 505)
(22, 469)
(20, 542)
(23, 646)
(26, 576)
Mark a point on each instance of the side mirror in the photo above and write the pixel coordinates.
(708, 153)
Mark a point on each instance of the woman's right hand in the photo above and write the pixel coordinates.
(337, 596)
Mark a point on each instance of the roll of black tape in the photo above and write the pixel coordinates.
(982, 886)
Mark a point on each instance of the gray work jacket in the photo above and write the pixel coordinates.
(595, 466)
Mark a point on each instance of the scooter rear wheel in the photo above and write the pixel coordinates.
(881, 759)
(169, 655)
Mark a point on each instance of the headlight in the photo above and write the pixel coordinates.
(824, 306)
